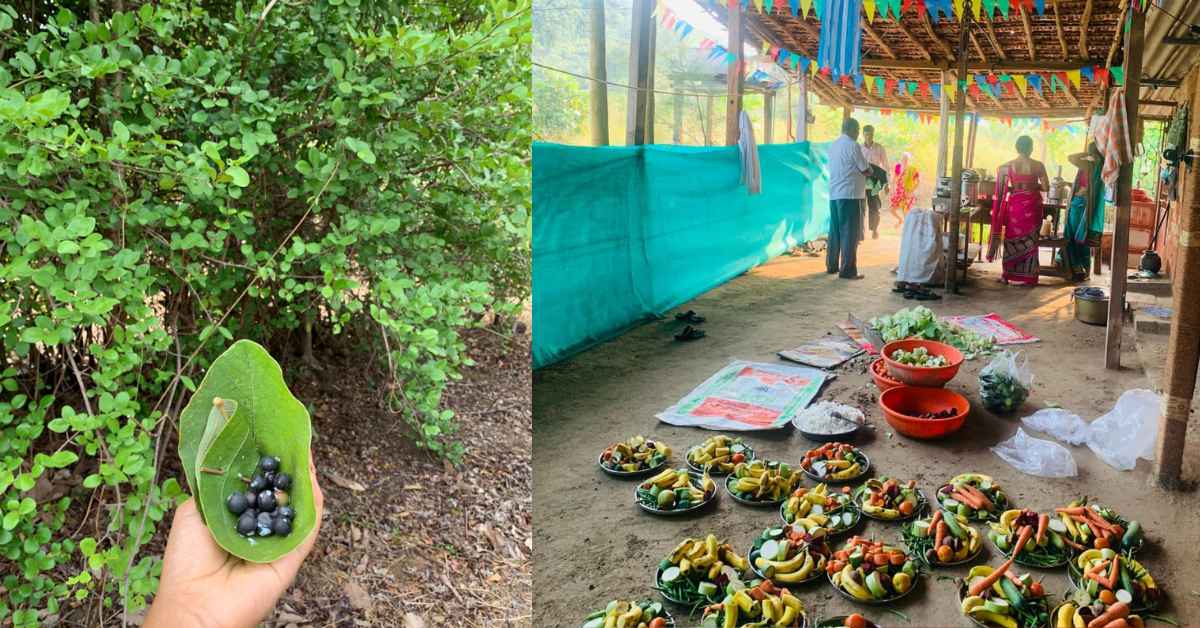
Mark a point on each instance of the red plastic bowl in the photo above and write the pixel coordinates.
(880, 375)
(932, 376)
(902, 404)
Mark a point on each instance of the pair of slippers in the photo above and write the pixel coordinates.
(689, 332)
(916, 292)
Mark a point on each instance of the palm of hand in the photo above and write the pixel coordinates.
(202, 586)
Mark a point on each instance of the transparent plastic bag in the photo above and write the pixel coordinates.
(1035, 456)
(1128, 431)
(1061, 424)
(1004, 383)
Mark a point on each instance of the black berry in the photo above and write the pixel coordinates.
(258, 482)
(246, 523)
(283, 481)
(251, 499)
(282, 526)
(270, 477)
(237, 503)
(269, 463)
(286, 512)
(264, 523)
(266, 501)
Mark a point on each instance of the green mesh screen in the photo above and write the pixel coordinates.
(621, 234)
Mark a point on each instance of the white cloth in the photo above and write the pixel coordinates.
(919, 253)
(847, 170)
(877, 156)
(748, 150)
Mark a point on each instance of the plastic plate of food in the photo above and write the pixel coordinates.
(694, 572)
(1046, 545)
(719, 454)
(634, 457)
(818, 508)
(943, 539)
(994, 598)
(761, 482)
(888, 499)
(871, 572)
(835, 463)
(631, 613)
(675, 492)
(788, 555)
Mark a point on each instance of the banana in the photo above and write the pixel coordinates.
(799, 575)
(743, 601)
(731, 614)
(681, 550)
(715, 570)
(856, 590)
(1004, 621)
(848, 472)
(734, 560)
(1065, 614)
(630, 619)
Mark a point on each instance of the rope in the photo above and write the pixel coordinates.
(623, 85)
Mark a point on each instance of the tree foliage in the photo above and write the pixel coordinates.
(186, 171)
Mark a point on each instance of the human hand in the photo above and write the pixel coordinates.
(202, 586)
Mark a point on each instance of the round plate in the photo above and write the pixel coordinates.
(688, 459)
(865, 469)
(678, 511)
(838, 621)
(1026, 563)
(872, 602)
(921, 505)
(754, 553)
(667, 616)
(955, 563)
(751, 502)
(992, 516)
(1074, 575)
(962, 589)
(630, 474)
(832, 534)
(658, 583)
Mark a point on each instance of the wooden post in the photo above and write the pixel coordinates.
(650, 84)
(971, 139)
(598, 92)
(960, 107)
(734, 83)
(791, 137)
(1179, 378)
(846, 112)
(802, 110)
(677, 121)
(1120, 253)
(639, 64)
(768, 117)
(708, 120)
(943, 126)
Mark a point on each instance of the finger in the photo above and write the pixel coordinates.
(190, 546)
(288, 566)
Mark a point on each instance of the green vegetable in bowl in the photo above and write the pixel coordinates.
(919, 356)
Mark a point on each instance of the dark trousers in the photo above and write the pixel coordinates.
(872, 214)
(845, 229)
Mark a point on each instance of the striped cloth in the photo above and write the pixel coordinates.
(1111, 132)
(841, 38)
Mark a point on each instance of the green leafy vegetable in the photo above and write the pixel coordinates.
(921, 322)
(240, 412)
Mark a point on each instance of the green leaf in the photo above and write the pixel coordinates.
(120, 131)
(268, 420)
(239, 176)
(11, 520)
(62, 459)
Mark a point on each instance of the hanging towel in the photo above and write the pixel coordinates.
(751, 177)
(1111, 132)
(841, 37)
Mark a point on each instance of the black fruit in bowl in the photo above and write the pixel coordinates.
(263, 508)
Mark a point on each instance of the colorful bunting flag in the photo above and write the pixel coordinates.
(869, 7)
(1073, 77)
(1040, 6)
(795, 6)
(1118, 74)
(805, 6)
(1035, 81)
(1088, 72)
(936, 90)
(1020, 82)
(759, 4)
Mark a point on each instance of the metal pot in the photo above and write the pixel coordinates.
(1091, 305)
(1151, 262)
(943, 187)
(970, 186)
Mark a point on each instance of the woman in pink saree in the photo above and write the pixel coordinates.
(1017, 215)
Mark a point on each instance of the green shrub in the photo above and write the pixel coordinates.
(177, 175)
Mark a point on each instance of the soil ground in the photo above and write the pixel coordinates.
(594, 545)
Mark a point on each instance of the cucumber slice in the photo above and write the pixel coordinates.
(611, 606)
(769, 550)
(671, 574)
(1124, 596)
(950, 502)
(774, 533)
(1058, 526)
(707, 589)
(654, 609)
(597, 622)
(737, 448)
(817, 509)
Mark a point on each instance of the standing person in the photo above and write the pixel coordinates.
(876, 156)
(848, 169)
(904, 194)
(1087, 194)
(1018, 215)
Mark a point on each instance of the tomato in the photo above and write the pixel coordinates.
(854, 620)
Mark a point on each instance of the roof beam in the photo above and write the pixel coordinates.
(913, 38)
(874, 36)
(1014, 65)
(991, 35)
(1029, 32)
(1062, 41)
(947, 52)
(1083, 29)
(978, 48)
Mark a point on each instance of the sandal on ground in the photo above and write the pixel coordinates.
(689, 333)
(690, 316)
(901, 288)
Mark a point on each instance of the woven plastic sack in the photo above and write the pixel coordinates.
(1004, 383)
(1035, 456)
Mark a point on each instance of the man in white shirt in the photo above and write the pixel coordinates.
(876, 156)
(848, 169)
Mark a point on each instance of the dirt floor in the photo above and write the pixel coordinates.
(594, 545)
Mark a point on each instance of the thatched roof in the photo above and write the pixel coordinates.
(1070, 35)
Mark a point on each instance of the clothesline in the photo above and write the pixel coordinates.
(624, 86)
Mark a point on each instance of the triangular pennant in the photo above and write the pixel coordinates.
(958, 9)
(977, 9)
(936, 90)
(730, 58)
(889, 86)
(1088, 72)
(912, 87)
(1102, 75)
(795, 6)
(1019, 81)
(1118, 74)
(1005, 5)
(805, 7)
(759, 5)
(869, 7)
(1035, 81)
(1039, 6)
(1073, 77)
(819, 8)
(858, 81)
(687, 30)
(780, 5)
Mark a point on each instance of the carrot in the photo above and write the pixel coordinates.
(980, 495)
(990, 579)
(1073, 544)
(965, 498)
(1117, 623)
(1016, 580)
(937, 517)
(897, 558)
(880, 559)
(1112, 613)
(1075, 510)
(1023, 538)
(1115, 572)
(769, 587)
(939, 534)
(1043, 521)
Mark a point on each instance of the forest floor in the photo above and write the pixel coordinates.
(595, 545)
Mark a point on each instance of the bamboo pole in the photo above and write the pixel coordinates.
(677, 120)
(971, 140)
(802, 109)
(650, 83)
(708, 120)
(734, 82)
(598, 90)
(639, 64)
(768, 117)
(788, 114)
(960, 107)
(1120, 254)
(943, 125)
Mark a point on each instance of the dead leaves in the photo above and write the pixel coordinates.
(345, 482)
(358, 596)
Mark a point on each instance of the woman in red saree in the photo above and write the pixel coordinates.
(1017, 215)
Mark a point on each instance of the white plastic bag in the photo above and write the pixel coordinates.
(1128, 431)
(1061, 424)
(1037, 457)
(1004, 383)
